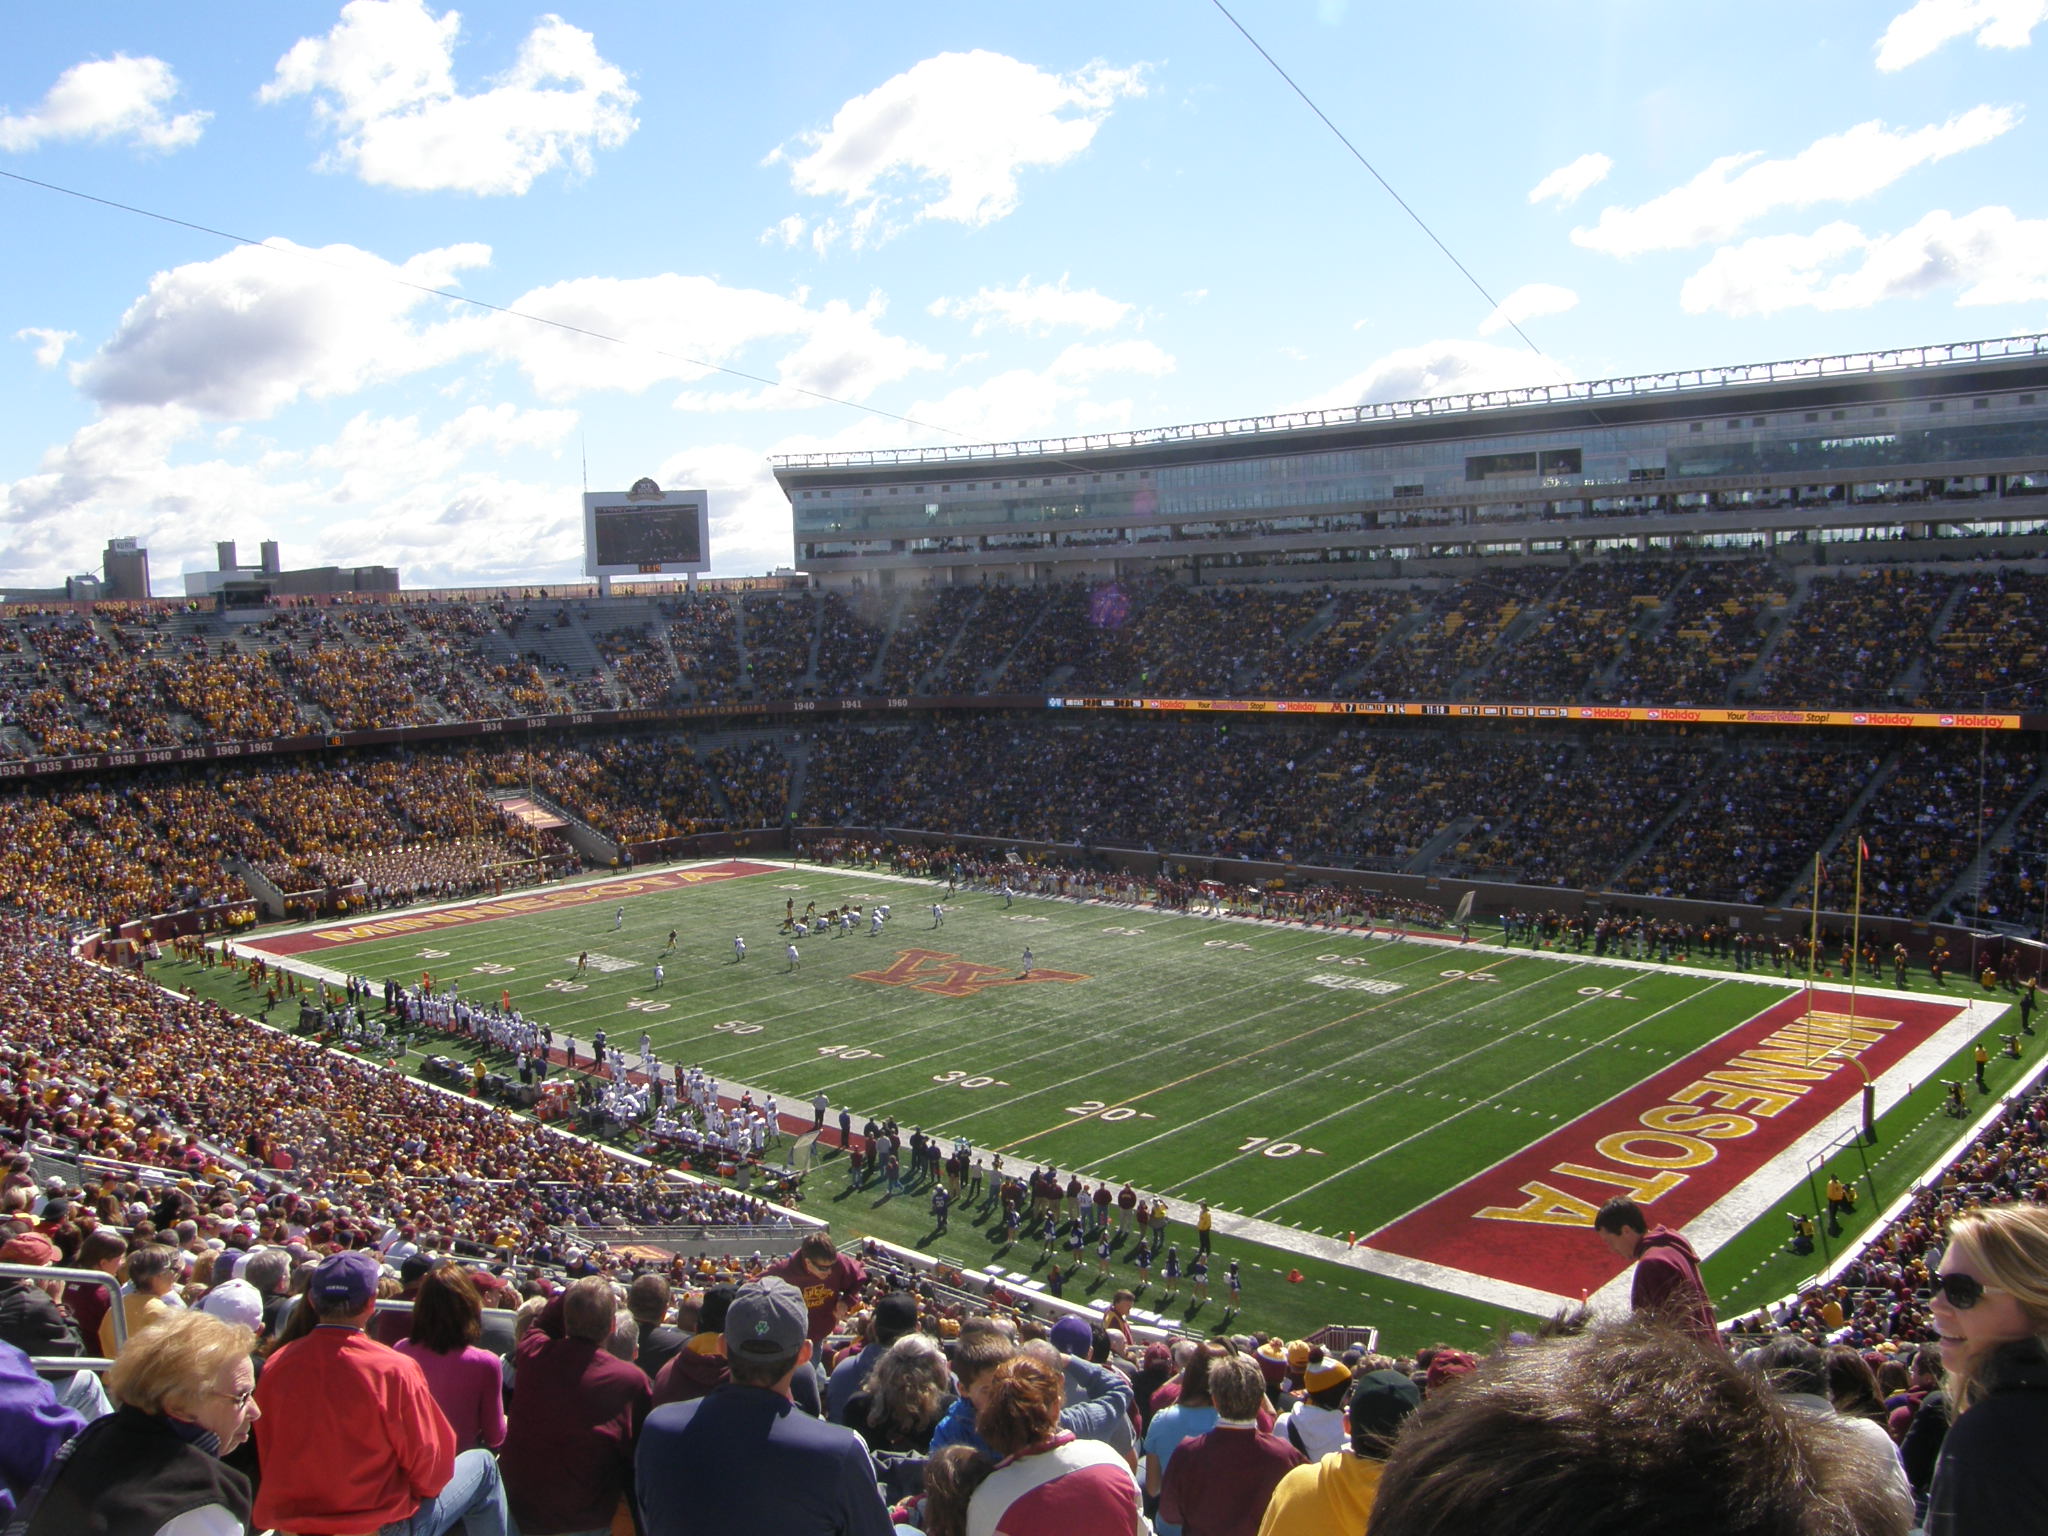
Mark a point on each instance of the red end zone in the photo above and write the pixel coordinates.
(398, 924)
(1675, 1144)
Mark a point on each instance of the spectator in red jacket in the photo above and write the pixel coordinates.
(350, 1437)
(569, 1447)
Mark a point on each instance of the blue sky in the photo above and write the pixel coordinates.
(999, 221)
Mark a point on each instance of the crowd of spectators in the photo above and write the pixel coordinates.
(1856, 638)
(275, 1130)
(1718, 620)
(2014, 888)
(1455, 635)
(849, 641)
(1922, 823)
(974, 658)
(1657, 814)
(780, 630)
(1994, 649)
(639, 665)
(831, 1389)
(1752, 830)
(1551, 829)
(705, 641)
(1621, 629)
(926, 625)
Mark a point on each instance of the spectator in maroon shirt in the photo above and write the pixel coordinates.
(1218, 1484)
(1667, 1280)
(103, 1250)
(568, 1455)
(828, 1279)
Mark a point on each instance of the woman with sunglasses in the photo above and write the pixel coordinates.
(1990, 1304)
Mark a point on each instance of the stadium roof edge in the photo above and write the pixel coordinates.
(1667, 384)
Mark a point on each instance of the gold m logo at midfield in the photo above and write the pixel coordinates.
(931, 970)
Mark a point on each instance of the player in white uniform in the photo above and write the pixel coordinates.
(938, 915)
(1028, 961)
(794, 958)
(658, 973)
(874, 922)
(618, 919)
(739, 947)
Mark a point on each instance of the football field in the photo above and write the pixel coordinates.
(1461, 1108)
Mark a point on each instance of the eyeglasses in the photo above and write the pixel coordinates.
(1963, 1291)
(240, 1399)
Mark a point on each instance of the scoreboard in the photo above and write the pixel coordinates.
(645, 531)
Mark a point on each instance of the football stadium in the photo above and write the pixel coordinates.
(1530, 896)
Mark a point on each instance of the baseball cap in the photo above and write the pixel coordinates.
(767, 1320)
(28, 1248)
(1448, 1366)
(1072, 1336)
(895, 1315)
(346, 1282)
(1380, 1401)
(235, 1301)
(415, 1268)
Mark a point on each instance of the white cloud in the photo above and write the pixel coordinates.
(1450, 367)
(1063, 397)
(477, 527)
(378, 457)
(1087, 360)
(786, 231)
(1529, 302)
(1035, 308)
(1568, 183)
(946, 139)
(247, 333)
(839, 350)
(1923, 28)
(383, 81)
(115, 476)
(1737, 189)
(385, 490)
(1991, 256)
(117, 98)
(49, 344)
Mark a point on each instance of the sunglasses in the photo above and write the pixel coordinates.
(1962, 1291)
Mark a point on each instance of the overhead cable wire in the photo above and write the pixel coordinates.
(1420, 223)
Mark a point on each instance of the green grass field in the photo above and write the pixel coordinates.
(1327, 1083)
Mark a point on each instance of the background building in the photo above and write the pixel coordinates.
(1947, 442)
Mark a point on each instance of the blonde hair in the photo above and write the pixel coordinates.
(2010, 1245)
(176, 1360)
(909, 1383)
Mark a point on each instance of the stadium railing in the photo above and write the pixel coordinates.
(99, 1277)
(716, 1240)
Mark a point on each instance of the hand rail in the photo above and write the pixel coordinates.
(99, 1277)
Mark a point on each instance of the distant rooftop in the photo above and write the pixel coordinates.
(1896, 359)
